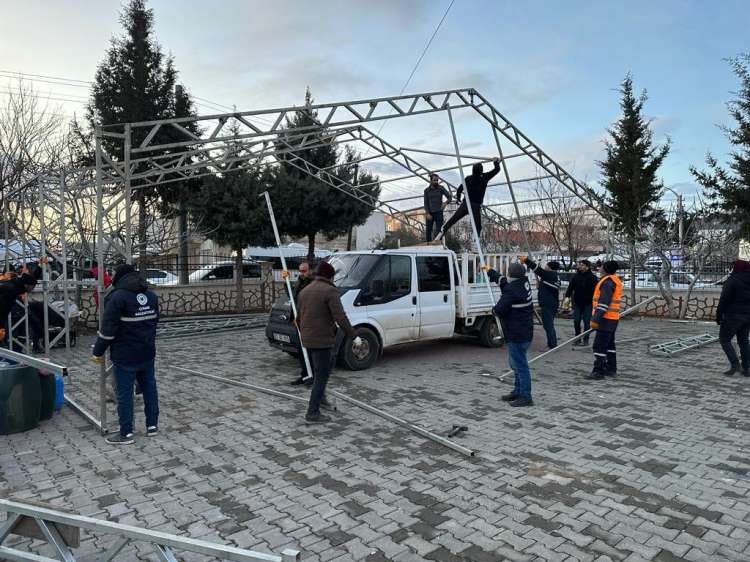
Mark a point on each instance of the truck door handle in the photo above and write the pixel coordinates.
(414, 301)
(445, 298)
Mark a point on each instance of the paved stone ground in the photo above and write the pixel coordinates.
(650, 466)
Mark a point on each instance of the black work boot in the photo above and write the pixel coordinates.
(522, 402)
(316, 418)
(746, 372)
(731, 371)
(594, 376)
(509, 397)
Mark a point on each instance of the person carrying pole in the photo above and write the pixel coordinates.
(319, 312)
(516, 312)
(476, 187)
(303, 280)
(434, 206)
(606, 305)
(581, 292)
(733, 317)
(549, 296)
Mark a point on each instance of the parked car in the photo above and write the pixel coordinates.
(398, 296)
(677, 280)
(161, 277)
(222, 271)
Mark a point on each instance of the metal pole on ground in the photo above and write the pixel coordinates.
(581, 335)
(474, 230)
(288, 283)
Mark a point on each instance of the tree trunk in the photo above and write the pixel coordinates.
(632, 273)
(142, 235)
(182, 226)
(311, 249)
(240, 298)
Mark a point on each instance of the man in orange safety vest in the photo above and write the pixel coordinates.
(606, 305)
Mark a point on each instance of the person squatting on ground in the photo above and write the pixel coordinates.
(548, 296)
(515, 309)
(476, 187)
(320, 311)
(10, 291)
(733, 317)
(606, 304)
(434, 205)
(581, 293)
(303, 281)
(131, 313)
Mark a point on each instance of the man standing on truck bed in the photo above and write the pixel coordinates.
(516, 312)
(320, 310)
(549, 296)
(434, 205)
(476, 187)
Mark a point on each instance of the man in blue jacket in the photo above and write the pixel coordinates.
(516, 312)
(549, 296)
(131, 313)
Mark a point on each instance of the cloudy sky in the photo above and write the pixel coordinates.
(551, 67)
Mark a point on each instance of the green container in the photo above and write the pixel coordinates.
(47, 404)
(20, 398)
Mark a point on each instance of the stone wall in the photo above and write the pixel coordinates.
(196, 299)
(701, 306)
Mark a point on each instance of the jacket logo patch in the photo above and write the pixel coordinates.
(142, 299)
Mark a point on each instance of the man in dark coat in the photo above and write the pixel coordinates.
(10, 291)
(320, 312)
(516, 312)
(434, 204)
(733, 317)
(606, 302)
(476, 187)
(548, 296)
(131, 313)
(304, 279)
(581, 291)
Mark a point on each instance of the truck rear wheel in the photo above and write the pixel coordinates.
(489, 333)
(364, 357)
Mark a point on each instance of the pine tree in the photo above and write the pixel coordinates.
(134, 82)
(308, 206)
(728, 191)
(232, 213)
(629, 171)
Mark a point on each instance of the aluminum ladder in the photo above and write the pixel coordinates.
(672, 347)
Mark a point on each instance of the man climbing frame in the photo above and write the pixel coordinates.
(476, 187)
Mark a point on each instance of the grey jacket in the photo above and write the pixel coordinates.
(433, 198)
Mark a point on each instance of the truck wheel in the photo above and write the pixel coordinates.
(365, 357)
(489, 332)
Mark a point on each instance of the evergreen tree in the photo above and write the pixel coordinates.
(306, 205)
(134, 82)
(728, 191)
(629, 171)
(233, 213)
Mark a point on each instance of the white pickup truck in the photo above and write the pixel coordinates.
(404, 295)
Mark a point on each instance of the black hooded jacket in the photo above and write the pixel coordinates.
(131, 313)
(735, 297)
(476, 185)
(516, 310)
(9, 292)
(581, 288)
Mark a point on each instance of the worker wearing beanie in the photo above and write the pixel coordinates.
(320, 311)
(606, 305)
(131, 313)
(549, 296)
(733, 317)
(516, 312)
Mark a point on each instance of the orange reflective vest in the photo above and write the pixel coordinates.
(611, 310)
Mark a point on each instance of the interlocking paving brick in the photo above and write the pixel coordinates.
(645, 467)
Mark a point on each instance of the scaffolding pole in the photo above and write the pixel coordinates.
(288, 283)
(474, 230)
(100, 270)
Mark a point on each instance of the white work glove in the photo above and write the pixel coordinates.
(357, 342)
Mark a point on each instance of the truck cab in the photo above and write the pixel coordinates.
(403, 295)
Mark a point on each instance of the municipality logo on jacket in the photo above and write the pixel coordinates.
(142, 299)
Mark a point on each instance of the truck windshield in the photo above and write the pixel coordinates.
(352, 269)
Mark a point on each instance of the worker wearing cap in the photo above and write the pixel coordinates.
(549, 296)
(516, 312)
(131, 313)
(320, 311)
(606, 305)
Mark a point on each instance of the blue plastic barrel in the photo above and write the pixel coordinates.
(59, 391)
